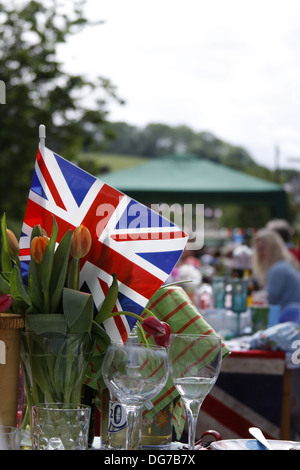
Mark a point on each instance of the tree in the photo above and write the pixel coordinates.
(124, 139)
(38, 91)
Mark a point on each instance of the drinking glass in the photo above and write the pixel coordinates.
(60, 426)
(239, 299)
(219, 291)
(135, 373)
(9, 438)
(195, 363)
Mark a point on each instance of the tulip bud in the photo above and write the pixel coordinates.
(81, 242)
(13, 244)
(42, 231)
(164, 340)
(5, 302)
(153, 326)
(160, 330)
(38, 247)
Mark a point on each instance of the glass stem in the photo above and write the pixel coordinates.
(192, 411)
(238, 324)
(133, 422)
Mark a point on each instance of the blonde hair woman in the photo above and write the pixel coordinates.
(275, 268)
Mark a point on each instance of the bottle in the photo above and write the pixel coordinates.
(114, 425)
(205, 296)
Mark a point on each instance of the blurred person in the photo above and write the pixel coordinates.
(283, 228)
(242, 256)
(286, 231)
(274, 268)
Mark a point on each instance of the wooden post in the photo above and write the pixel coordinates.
(286, 406)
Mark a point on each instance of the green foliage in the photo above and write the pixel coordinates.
(249, 215)
(99, 163)
(109, 301)
(49, 307)
(158, 140)
(5, 255)
(39, 91)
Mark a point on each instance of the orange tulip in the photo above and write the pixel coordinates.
(13, 244)
(81, 242)
(38, 247)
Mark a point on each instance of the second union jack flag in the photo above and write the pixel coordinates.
(129, 239)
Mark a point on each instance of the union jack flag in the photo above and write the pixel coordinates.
(129, 239)
(248, 392)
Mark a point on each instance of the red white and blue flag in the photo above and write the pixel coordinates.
(248, 392)
(129, 239)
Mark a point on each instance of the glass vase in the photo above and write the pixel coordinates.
(53, 367)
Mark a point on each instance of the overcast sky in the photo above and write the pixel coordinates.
(231, 67)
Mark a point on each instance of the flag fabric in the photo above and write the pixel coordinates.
(249, 392)
(128, 238)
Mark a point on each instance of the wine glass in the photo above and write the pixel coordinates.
(195, 363)
(135, 373)
(239, 299)
(219, 291)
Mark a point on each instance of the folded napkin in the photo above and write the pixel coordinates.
(171, 304)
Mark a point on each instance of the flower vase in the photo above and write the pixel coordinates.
(54, 367)
(11, 326)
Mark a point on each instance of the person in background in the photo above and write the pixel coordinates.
(274, 268)
(283, 228)
(242, 255)
(286, 231)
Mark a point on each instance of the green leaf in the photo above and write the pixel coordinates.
(35, 286)
(40, 366)
(59, 271)
(17, 286)
(36, 232)
(78, 310)
(101, 337)
(41, 323)
(5, 255)
(109, 302)
(73, 274)
(4, 285)
(46, 266)
(94, 372)
(6, 275)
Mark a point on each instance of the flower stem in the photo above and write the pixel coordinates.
(73, 276)
(138, 317)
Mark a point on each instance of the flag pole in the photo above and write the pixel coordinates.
(42, 137)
